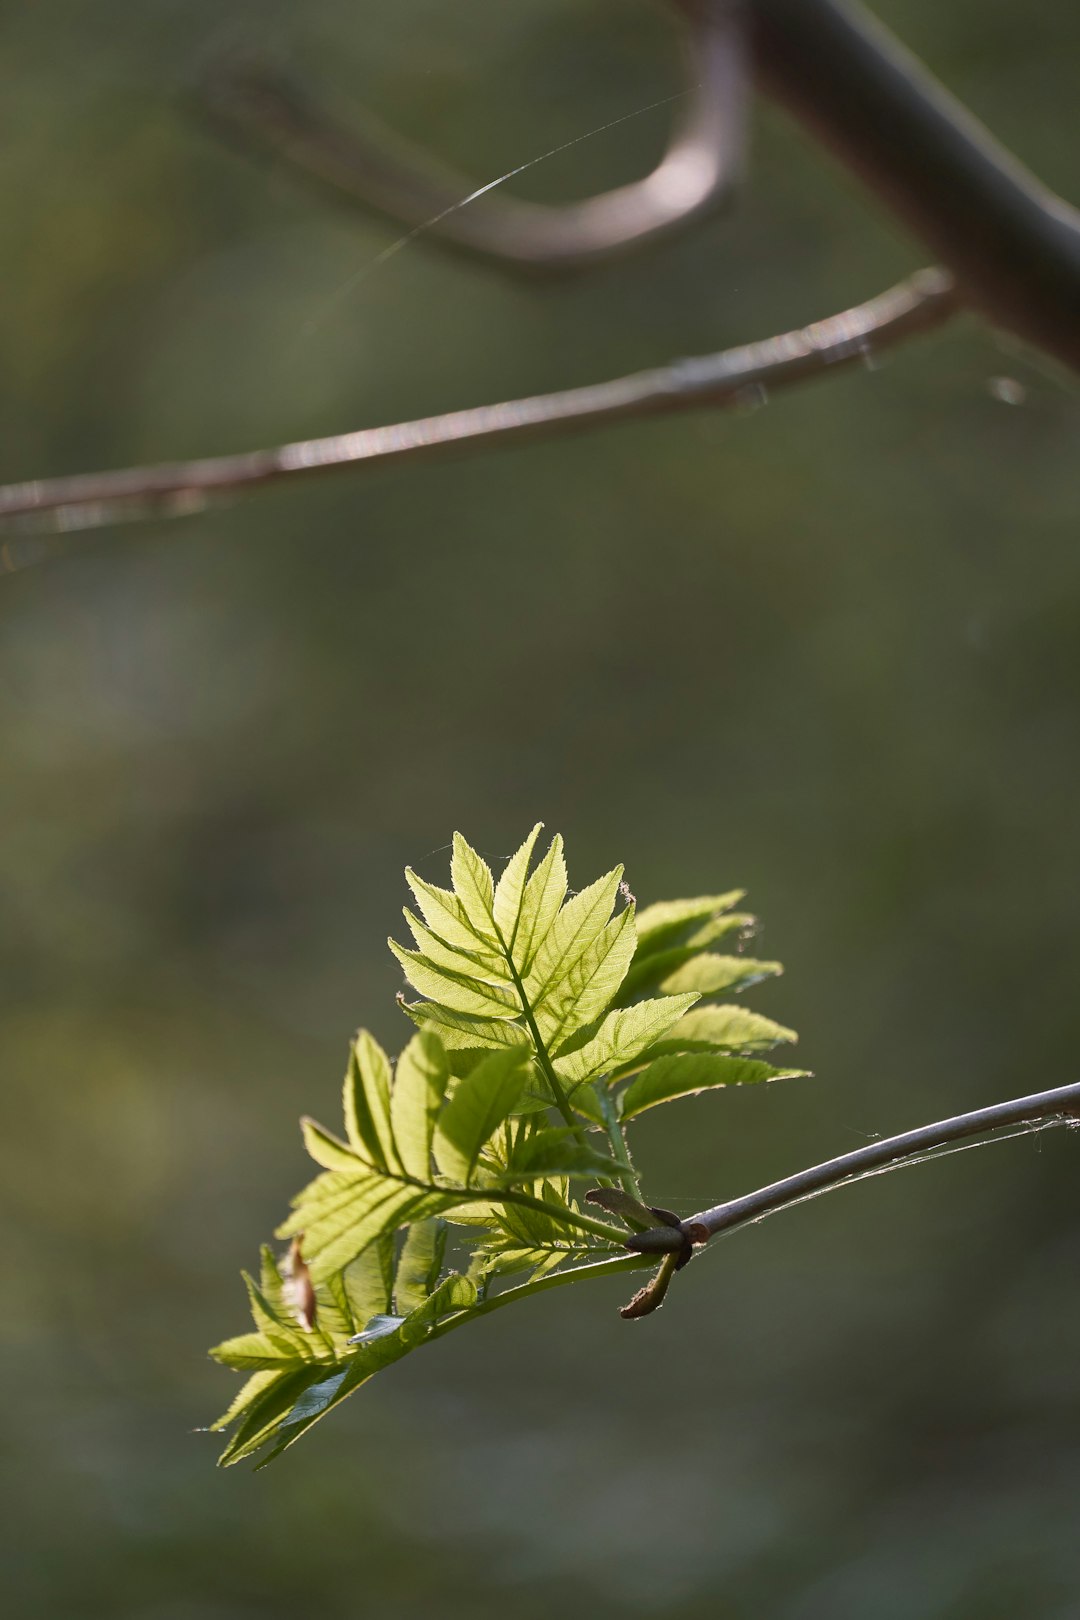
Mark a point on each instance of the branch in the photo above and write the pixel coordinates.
(1013, 245)
(378, 170)
(1061, 1105)
(730, 377)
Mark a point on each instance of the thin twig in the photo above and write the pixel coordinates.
(730, 377)
(371, 166)
(1062, 1104)
(1013, 246)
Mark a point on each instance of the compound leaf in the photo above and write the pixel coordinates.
(621, 1037)
(686, 1073)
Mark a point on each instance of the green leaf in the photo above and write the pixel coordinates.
(458, 1031)
(446, 916)
(684, 1074)
(455, 990)
(621, 1037)
(327, 1150)
(647, 971)
(276, 1326)
(660, 925)
(248, 1351)
(589, 984)
(523, 992)
(455, 960)
(420, 1082)
(366, 1101)
(271, 1405)
(369, 1281)
(525, 1226)
(730, 1028)
(544, 894)
(481, 1101)
(577, 926)
(455, 1293)
(420, 1264)
(711, 974)
(510, 890)
(557, 1150)
(249, 1392)
(537, 1261)
(340, 1213)
(474, 887)
(336, 1320)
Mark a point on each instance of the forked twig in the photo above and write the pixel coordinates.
(730, 377)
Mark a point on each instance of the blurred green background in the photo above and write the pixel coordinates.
(828, 650)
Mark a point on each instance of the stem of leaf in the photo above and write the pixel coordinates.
(617, 1138)
(602, 1229)
(554, 1279)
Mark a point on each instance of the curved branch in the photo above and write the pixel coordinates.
(730, 377)
(1013, 246)
(379, 170)
(1062, 1104)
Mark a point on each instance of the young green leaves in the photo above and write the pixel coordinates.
(546, 1021)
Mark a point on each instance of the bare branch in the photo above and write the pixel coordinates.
(1062, 1105)
(1012, 245)
(379, 170)
(730, 377)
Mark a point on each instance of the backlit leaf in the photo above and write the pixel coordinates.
(419, 1266)
(458, 991)
(480, 1103)
(661, 924)
(733, 1028)
(544, 894)
(680, 1076)
(589, 983)
(621, 1037)
(474, 886)
(420, 1082)
(510, 890)
(711, 974)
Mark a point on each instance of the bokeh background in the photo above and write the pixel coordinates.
(829, 650)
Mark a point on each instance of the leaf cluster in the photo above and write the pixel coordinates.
(546, 1021)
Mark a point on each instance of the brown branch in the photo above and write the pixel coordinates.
(730, 377)
(377, 169)
(1013, 246)
(1060, 1106)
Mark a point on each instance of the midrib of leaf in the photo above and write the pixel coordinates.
(544, 1062)
(463, 1195)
